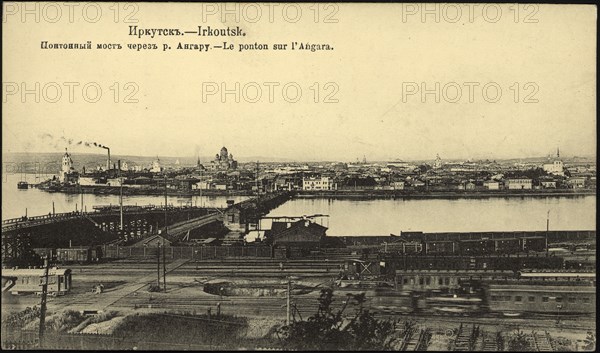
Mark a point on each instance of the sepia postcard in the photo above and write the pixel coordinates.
(299, 176)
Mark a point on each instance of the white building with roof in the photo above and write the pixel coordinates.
(318, 183)
(519, 184)
(66, 167)
(556, 167)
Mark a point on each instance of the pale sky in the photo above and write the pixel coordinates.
(380, 51)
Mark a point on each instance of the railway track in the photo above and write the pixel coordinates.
(533, 323)
(215, 269)
(413, 340)
(490, 343)
(249, 306)
(543, 342)
(307, 305)
(465, 338)
(268, 271)
(124, 265)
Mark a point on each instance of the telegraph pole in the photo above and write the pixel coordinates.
(164, 261)
(120, 198)
(164, 269)
(165, 204)
(547, 230)
(42, 327)
(257, 189)
(202, 181)
(289, 290)
(158, 264)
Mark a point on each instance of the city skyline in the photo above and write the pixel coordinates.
(532, 152)
(278, 159)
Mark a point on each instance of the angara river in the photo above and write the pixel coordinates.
(38, 202)
(382, 217)
(352, 217)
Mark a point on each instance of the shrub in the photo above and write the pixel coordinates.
(518, 342)
(329, 330)
(22, 318)
(154, 288)
(66, 321)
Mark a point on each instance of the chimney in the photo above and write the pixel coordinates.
(108, 161)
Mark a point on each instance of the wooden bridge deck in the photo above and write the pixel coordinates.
(27, 222)
(183, 227)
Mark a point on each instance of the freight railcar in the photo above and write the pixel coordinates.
(46, 252)
(440, 247)
(490, 262)
(482, 246)
(402, 247)
(477, 247)
(31, 280)
(80, 255)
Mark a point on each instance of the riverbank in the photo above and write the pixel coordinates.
(407, 195)
(330, 194)
(129, 191)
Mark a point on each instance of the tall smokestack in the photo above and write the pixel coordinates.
(108, 161)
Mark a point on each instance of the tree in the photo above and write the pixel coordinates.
(518, 342)
(332, 330)
(589, 344)
(500, 341)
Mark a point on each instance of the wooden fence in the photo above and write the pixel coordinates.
(187, 252)
(28, 340)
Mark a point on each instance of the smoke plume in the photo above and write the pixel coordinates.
(57, 141)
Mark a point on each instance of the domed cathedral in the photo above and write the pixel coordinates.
(224, 155)
(223, 161)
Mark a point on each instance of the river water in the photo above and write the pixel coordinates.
(38, 202)
(382, 217)
(353, 217)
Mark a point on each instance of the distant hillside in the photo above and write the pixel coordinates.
(30, 162)
(50, 162)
